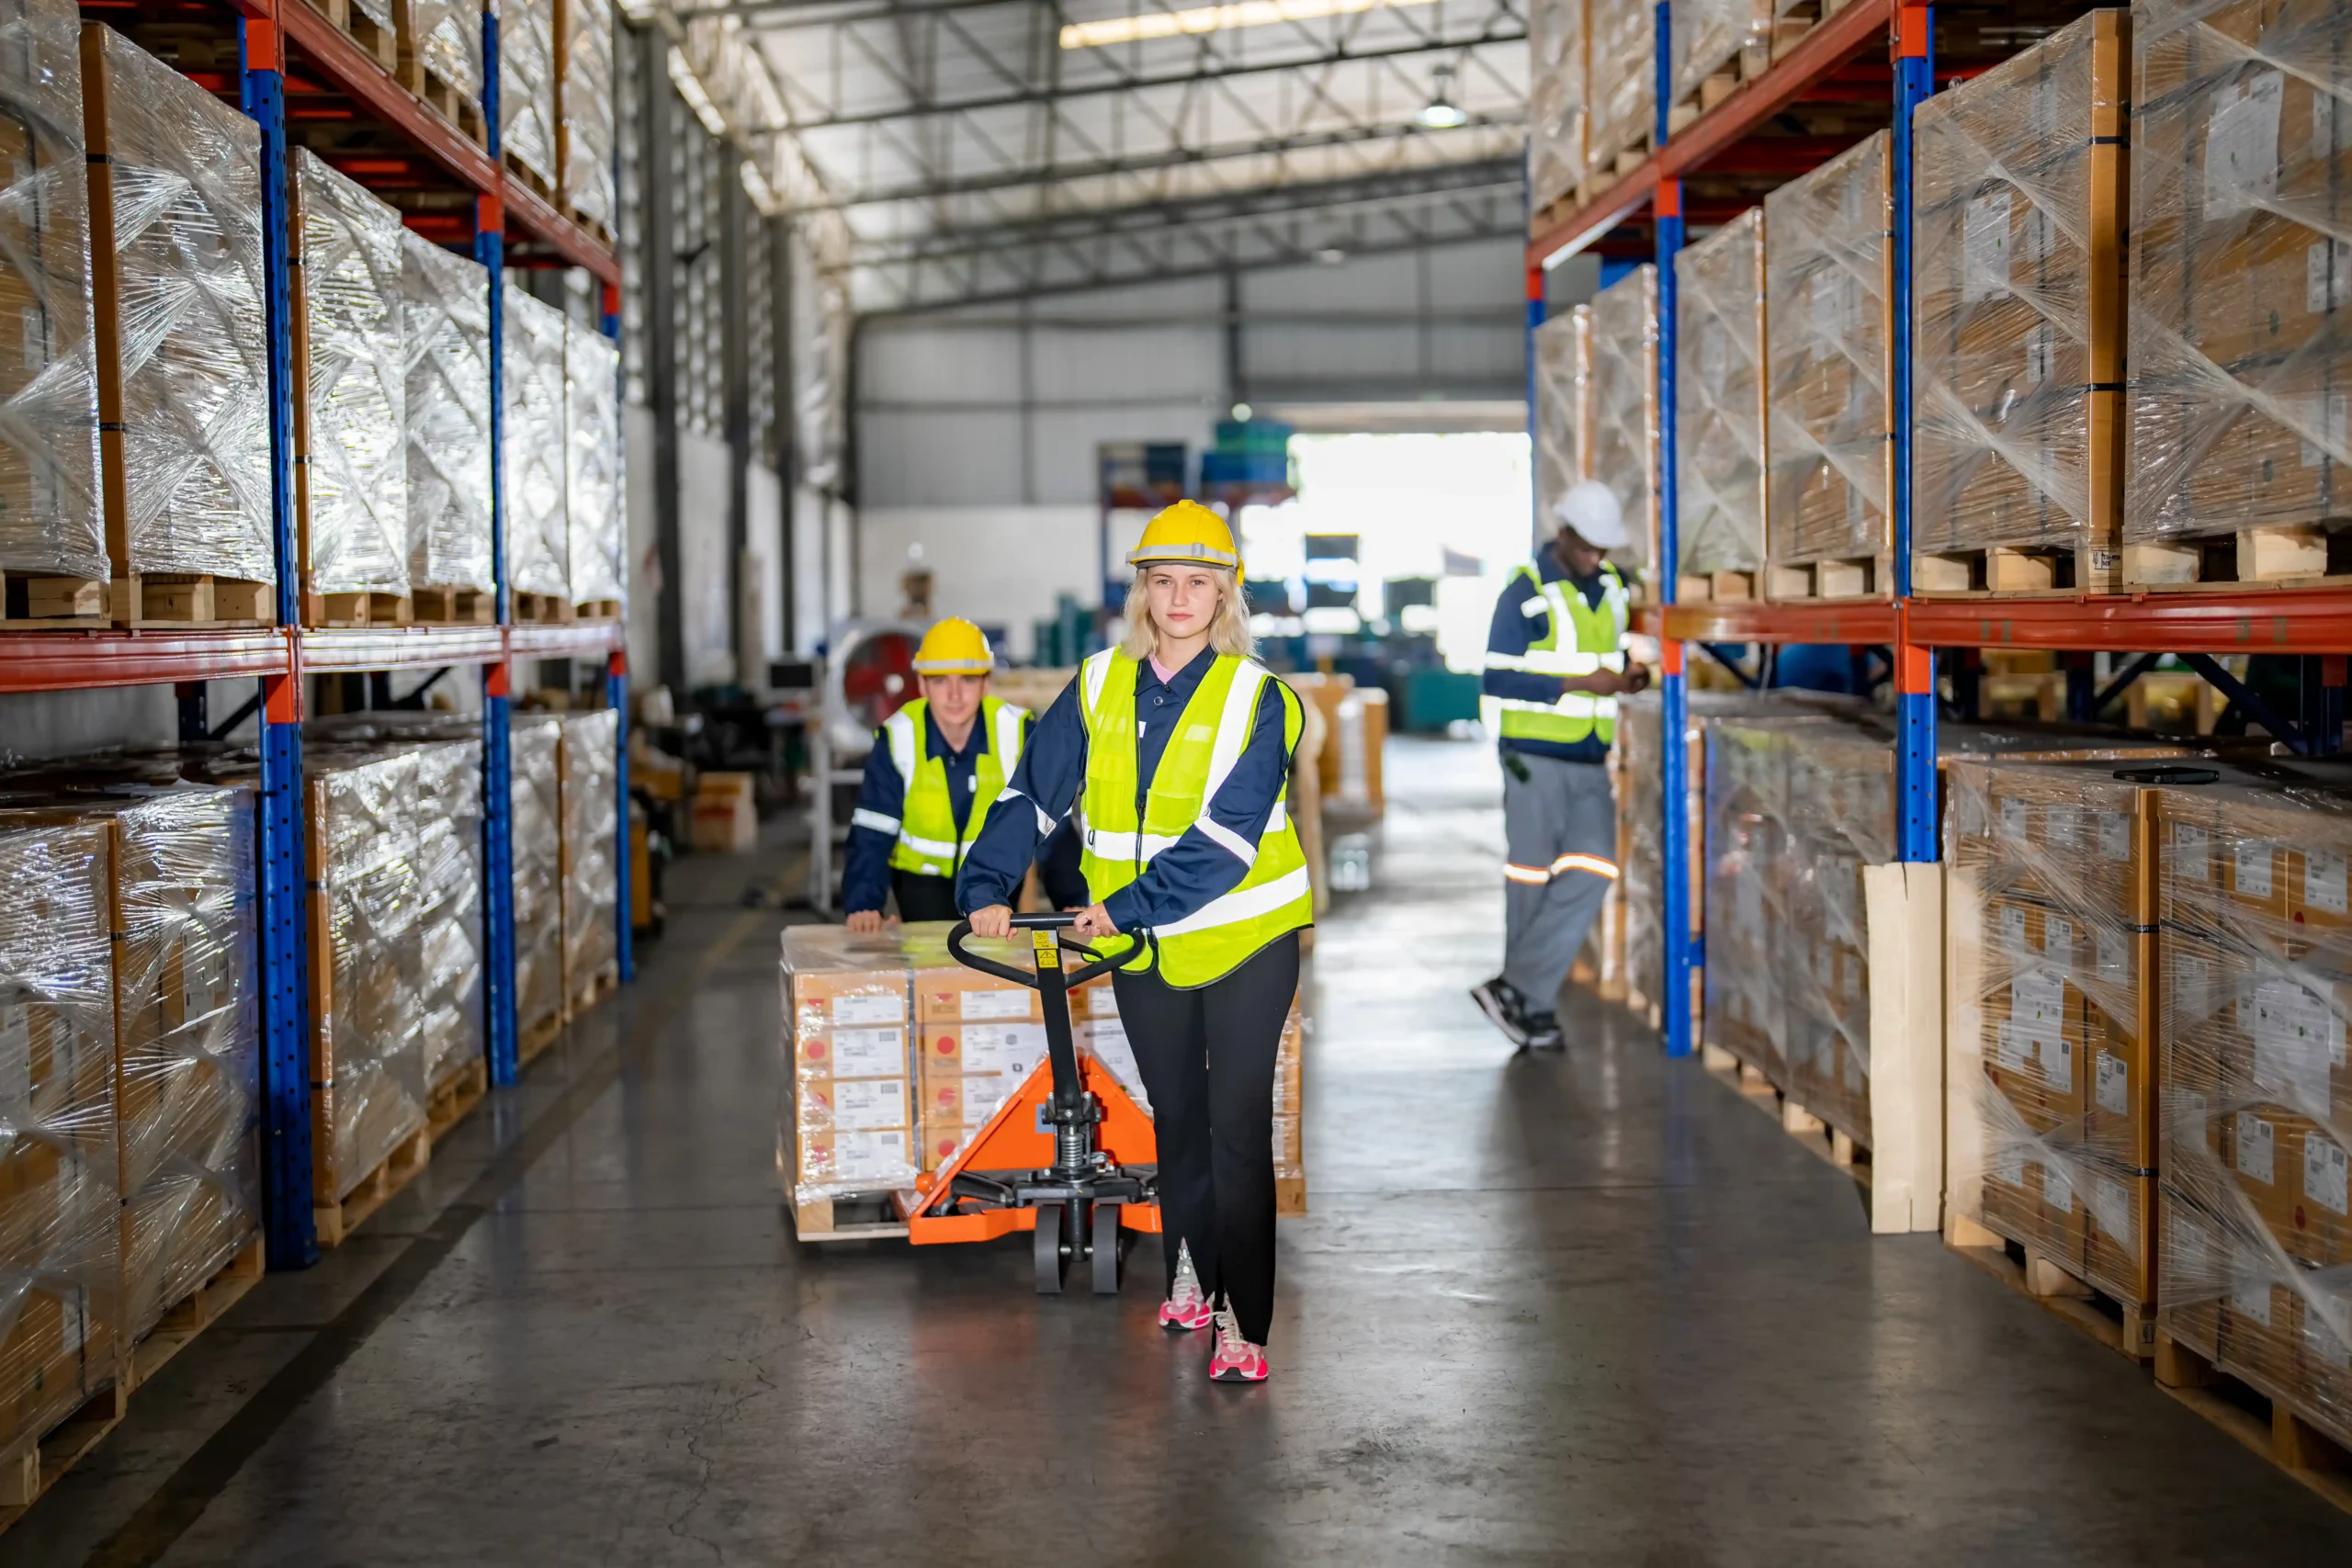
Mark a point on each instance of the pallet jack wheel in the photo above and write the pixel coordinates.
(1106, 1250)
(1048, 1250)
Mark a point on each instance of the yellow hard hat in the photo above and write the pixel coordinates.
(1187, 532)
(954, 646)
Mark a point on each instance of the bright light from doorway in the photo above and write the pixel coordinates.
(1215, 19)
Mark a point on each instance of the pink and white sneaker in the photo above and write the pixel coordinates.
(1187, 1307)
(1235, 1360)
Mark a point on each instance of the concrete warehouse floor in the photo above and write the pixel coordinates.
(1584, 1308)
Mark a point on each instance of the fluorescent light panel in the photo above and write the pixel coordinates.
(1215, 19)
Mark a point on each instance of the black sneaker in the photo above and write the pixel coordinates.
(1542, 1031)
(1502, 1004)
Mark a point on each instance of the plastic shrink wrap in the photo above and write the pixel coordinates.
(368, 1086)
(445, 335)
(448, 818)
(1562, 406)
(1719, 400)
(50, 521)
(587, 105)
(1624, 408)
(1622, 83)
(537, 838)
(1827, 289)
(591, 779)
(59, 1218)
(538, 549)
(597, 525)
(847, 1125)
(2240, 289)
(526, 87)
(448, 43)
(2254, 1256)
(350, 384)
(1710, 37)
(183, 362)
(2050, 1037)
(1555, 107)
(2018, 368)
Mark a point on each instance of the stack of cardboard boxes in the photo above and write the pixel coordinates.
(1624, 408)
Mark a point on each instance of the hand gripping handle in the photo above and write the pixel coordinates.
(1077, 976)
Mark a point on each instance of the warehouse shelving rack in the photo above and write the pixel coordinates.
(2315, 623)
(296, 65)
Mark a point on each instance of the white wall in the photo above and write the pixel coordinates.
(1000, 566)
(706, 587)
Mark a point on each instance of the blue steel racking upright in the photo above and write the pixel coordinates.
(332, 65)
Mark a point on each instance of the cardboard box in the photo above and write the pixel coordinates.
(724, 817)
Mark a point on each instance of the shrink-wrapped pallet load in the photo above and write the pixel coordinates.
(1555, 100)
(444, 337)
(848, 1123)
(350, 399)
(182, 341)
(448, 817)
(1623, 392)
(537, 840)
(590, 769)
(527, 89)
(444, 44)
(2017, 366)
(585, 154)
(1719, 395)
(1622, 84)
(538, 548)
(1716, 44)
(1827, 290)
(598, 525)
(1563, 408)
(2240, 459)
(52, 529)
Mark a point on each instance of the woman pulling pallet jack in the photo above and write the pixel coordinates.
(1175, 746)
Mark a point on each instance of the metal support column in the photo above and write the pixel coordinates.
(1914, 668)
(1682, 958)
(617, 694)
(292, 1233)
(497, 757)
(659, 260)
(1535, 308)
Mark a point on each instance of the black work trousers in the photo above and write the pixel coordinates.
(925, 897)
(1207, 1059)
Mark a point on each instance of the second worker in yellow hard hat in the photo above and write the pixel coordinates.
(932, 760)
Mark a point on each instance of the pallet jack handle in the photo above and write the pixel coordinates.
(1049, 923)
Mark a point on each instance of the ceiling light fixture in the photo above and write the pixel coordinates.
(1442, 113)
(1215, 19)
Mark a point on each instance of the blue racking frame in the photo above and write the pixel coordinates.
(279, 657)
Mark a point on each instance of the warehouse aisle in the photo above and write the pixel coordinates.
(1590, 1308)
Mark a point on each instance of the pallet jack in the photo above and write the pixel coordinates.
(1068, 1155)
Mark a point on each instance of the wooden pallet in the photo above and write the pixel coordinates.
(456, 1094)
(381, 42)
(597, 609)
(596, 988)
(2016, 571)
(453, 606)
(1833, 1145)
(824, 1219)
(2128, 1329)
(522, 173)
(2257, 1419)
(357, 609)
(546, 609)
(37, 1464)
(196, 1312)
(1606, 171)
(336, 1221)
(1692, 587)
(1290, 1196)
(438, 94)
(1750, 63)
(1851, 577)
(181, 599)
(534, 1038)
(2280, 556)
(43, 602)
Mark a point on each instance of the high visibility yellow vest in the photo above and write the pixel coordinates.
(1273, 896)
(1596, 641)
(929, 842)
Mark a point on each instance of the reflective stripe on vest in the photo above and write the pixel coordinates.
(1596, 644)
(930, 843)
(1206, 744)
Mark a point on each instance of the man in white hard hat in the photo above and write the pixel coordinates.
(1555, 662)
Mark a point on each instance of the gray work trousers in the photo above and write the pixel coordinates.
(1560, 827)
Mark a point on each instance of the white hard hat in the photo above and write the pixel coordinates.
(1591, 508)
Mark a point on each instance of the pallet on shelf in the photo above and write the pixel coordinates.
(39, 1463)
(181, 599)
(456, 1095)
(348, 609)
(539, 186)
(41, 601)
(2129, 1328)
(865, 1217)
(2257, 1419)
(1823, 582)
(380, 42)
(1997, 571)
(1693, 588)
(443, 96)
(197, 1312)
(542, 609)
(453, 606)
(2283, 554)
(338, 1219)
(597, 609)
